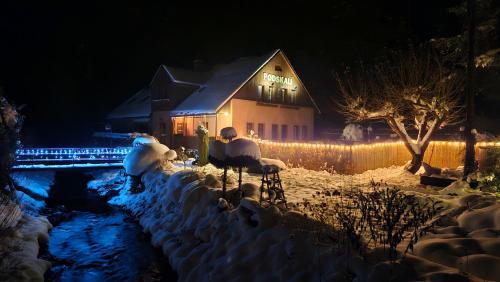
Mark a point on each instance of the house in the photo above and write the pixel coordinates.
(259, 95)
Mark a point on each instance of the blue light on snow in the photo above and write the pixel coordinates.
(71, 154)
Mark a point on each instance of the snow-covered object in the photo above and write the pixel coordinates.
(353, 132)
(142, 157)
(144, 139)
(272, 164)
(217, 153)
(217, 150)
(171, 155)
(20, 250)
(242, 148)
(228, 133)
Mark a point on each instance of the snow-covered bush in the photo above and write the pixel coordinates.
(142, 156)
(352, 132)
(202, 133)
(382, 216)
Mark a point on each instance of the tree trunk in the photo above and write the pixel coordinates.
(470, 140)
(416, 163)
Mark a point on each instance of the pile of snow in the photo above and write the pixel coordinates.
(35, 186)
(142, 156)
(207, 241)
(243, 148)
(19, 250)
(272, 164)
(144, 139)
(468, 239)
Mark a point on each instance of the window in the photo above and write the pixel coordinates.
(250, 128)
(296, 132)
(304, 132)
(293, 97)
(277, 68)
(282, 95)
(270, 96)
(180, 128)
(260, 91)
(284, 132)
(163, 128)
(275, 131)
(260, 130)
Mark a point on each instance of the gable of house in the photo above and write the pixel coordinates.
(238, 77)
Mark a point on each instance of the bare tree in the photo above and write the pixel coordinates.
(408, 91)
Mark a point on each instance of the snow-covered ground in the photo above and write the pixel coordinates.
(19, 250)
(19, 247)
(206, 240)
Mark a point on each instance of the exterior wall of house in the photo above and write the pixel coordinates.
(224, 118)
(291, 123)
(161, 126)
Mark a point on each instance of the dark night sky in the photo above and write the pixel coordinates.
(71, 62)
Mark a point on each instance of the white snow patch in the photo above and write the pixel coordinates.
(20, 249)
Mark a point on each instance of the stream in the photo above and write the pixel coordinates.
(93, 241)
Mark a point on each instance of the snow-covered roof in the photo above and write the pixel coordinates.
(224, 82)
(136, 106)
(184, 76)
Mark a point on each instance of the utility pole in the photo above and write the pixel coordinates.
(470, 164)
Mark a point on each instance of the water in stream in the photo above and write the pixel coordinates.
(95, 242)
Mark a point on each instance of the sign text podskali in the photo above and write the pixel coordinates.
(278, 79)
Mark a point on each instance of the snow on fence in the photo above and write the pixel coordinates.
(358, 158)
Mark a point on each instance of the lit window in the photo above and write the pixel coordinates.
(180, 128)
(274, 131)
(260, 91)
(283, 95)
(260, 130)
(293, 97)
(284, 132)
(296, 132)
(304, 132)
(250, 128)
(270, 96)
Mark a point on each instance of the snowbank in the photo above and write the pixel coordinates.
(35, 186)
(206, 242)
(468, 240)
(19, 250)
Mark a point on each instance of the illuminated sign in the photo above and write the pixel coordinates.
(278, 79)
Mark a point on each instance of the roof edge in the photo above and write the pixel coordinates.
(248, 79)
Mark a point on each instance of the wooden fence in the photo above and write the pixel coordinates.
(361, 157)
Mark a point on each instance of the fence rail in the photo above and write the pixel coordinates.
(358, 158)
